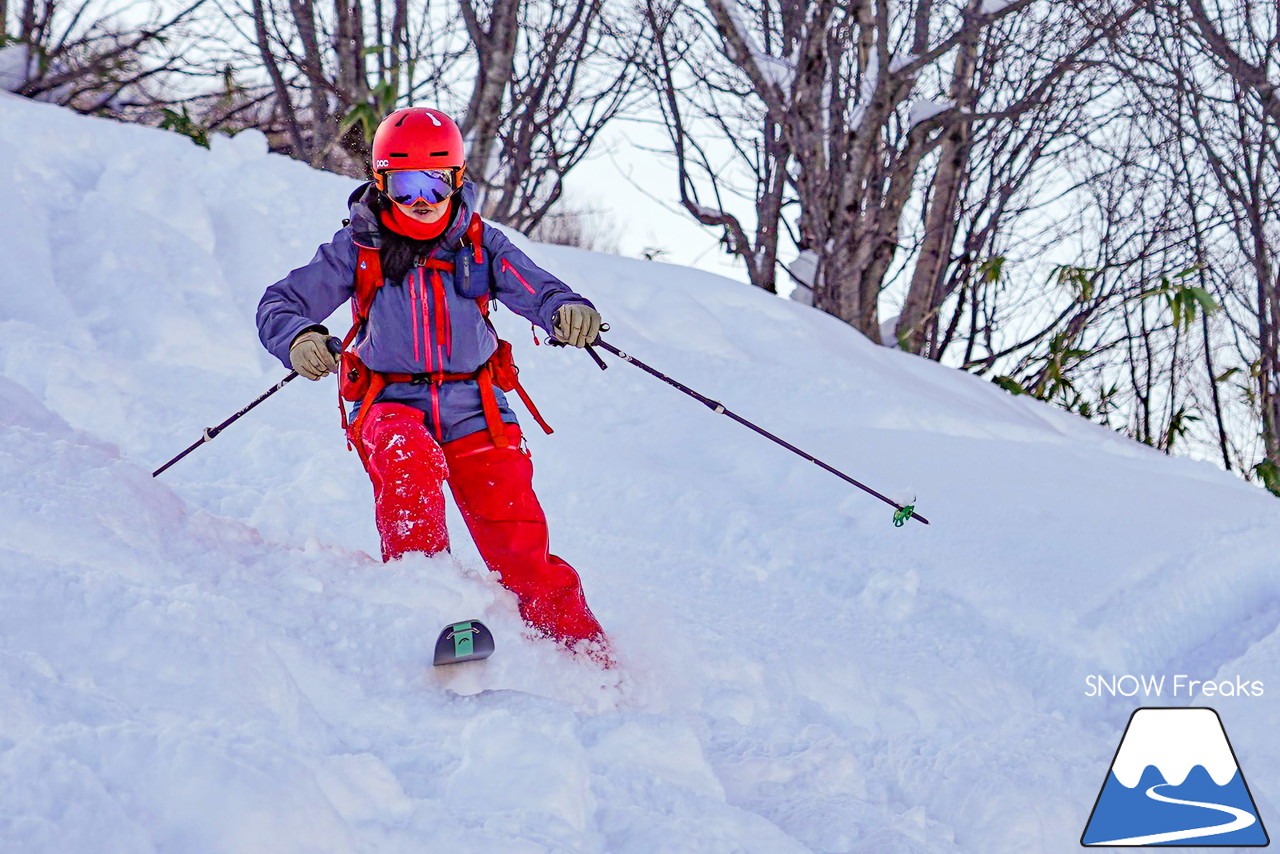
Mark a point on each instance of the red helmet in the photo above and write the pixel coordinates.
(417, 138)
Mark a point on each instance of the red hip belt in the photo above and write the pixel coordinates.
(358, 382)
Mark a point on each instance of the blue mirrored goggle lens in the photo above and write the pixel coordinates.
(432, 186)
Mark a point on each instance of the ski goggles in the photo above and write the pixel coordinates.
(432, 186)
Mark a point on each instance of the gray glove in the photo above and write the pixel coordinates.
(309, 355)
(576, 324)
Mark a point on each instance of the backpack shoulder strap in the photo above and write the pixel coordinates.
(368, 280)
(475, 239)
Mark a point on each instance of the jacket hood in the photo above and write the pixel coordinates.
(366, 201)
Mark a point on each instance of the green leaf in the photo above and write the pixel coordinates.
(1269, 474)
(1183, 301)
(992, 269)
(369, 115)
(1079, 279)
(363, 115)
(1207, 303)
(183, 123)
(1010, 385)
(1179, 426)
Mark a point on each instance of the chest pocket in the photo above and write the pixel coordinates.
(470, 279)
(471, 264)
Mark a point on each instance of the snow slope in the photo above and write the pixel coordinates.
(213, 661)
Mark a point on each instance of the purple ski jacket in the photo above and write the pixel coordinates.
(400, 336)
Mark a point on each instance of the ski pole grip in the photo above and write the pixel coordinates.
(334, 344)
(604, 327)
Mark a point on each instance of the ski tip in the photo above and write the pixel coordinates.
(469, 640)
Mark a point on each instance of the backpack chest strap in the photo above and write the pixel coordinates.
(438, 264)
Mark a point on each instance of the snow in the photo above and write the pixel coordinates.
(15, 67)
(925, 109)
(216, 661)
(703, 211)
(802, 272)
(866, 91)
(889, 331)
(777, 70)
(901, 61)
(992, 7)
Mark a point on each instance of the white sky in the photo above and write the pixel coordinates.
(610, 178)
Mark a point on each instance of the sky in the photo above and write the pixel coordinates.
(638, 187)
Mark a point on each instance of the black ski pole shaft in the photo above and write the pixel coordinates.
(903, 512)
(211, 432)
(335, 347)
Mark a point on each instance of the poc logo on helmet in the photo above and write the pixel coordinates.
(382, 164)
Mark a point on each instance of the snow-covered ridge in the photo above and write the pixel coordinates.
(215, 661)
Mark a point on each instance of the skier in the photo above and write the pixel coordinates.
(422, 360)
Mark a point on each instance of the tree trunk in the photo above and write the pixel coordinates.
(496, 49)
(352, 81)
(313, 68)
(27, 22)
(918, 319)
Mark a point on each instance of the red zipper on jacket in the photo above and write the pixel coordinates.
(440, 307)
(413, 314)
(435, 411)
(506, 265)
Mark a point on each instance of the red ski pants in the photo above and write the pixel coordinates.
(493, 487)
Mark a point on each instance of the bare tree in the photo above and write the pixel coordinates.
(701, 94)
(530, 83)
(849, 100)
(581, 226)
(849, 69)
(1164, 326)
(87, 55)
(493, 31)
(327, 94)
(1029, 83)
(575, 74)
(1214, 64)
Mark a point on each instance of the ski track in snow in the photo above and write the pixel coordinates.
(216, 661)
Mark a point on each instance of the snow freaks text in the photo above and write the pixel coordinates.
(1179, 685)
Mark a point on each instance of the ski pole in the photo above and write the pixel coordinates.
(902, 513)
(211, 432)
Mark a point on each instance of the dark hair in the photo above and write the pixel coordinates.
(399, 253)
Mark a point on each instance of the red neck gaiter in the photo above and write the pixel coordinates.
(398, 222)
